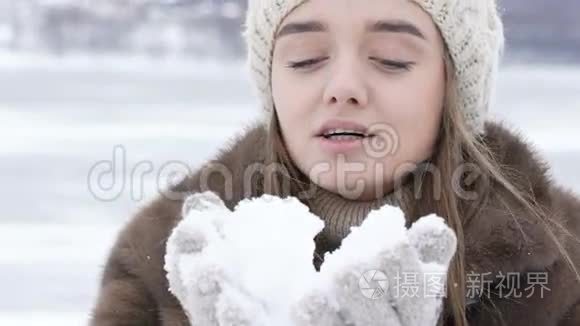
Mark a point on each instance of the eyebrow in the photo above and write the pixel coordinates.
(396, 26)
(384, 26)
(301, 27)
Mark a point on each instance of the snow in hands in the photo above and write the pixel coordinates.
(253, 266)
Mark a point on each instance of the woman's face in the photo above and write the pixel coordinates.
(359, 90)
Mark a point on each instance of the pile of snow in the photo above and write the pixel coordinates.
(253, 266)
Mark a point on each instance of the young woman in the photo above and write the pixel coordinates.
(379, 102)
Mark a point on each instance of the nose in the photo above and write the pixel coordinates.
(346, 86)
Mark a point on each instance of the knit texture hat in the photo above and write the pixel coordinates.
(471, 29)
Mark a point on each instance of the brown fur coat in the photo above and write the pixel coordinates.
(134, 290)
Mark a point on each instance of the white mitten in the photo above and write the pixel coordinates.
(197, 274)
(383, 274)
(242, 267)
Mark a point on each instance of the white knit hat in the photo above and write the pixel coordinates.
(472, 30)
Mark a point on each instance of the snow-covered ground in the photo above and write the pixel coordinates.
(60, 118)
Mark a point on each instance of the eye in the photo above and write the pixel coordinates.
(394, 64)
(304, 63)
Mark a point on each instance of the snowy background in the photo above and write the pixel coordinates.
(66, 103)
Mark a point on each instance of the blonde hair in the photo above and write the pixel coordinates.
(456, 145)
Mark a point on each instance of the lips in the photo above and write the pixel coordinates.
(343, 130)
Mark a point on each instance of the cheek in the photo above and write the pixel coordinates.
(414, 100)
(288, 109)
(292, 109)
(283, 102)
(414, 108)
(288, 94)
(296, 100)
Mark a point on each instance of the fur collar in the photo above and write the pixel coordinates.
(499, 238)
